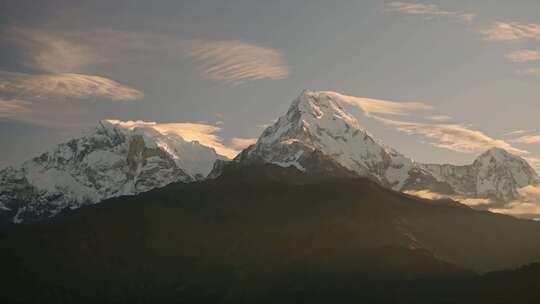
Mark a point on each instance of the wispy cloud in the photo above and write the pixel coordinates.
(521, 56)
(513, 31)
(65, 85)
(48, 51)
(527, 139)
(440, 117)
(13, 108)
(73, 51)
(238, 143)
(376, 106)
(236, 61)
(520, 209)
(429, 11)
(527, 205)
(451, 136)
(454, 137)
(518, 132)
(205, 134)
(529, 72)
(427, 194)
(56, 62)
(534, 162)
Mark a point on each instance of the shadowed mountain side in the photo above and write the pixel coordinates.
(261, 232)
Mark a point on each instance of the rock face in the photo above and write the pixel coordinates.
(111, 160)
(317, 124)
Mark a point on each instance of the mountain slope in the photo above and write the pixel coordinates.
(113, 159)
(317, 122)
(261, 232)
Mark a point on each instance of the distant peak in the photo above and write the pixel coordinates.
(500, 156)
(496, 152)
(306, 92)
(322, 106)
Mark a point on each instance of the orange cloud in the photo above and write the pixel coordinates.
(529, 72)
(427, 194)
(513, 31)
(376, 106)
(241, 143)
(440, 117)
(236, 61)
(523, 56)
(205, 134)
(528, 139)
(428, 10)
(13, 108)
(451, 136)
(65, 85)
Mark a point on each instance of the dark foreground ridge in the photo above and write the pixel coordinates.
(265, 234)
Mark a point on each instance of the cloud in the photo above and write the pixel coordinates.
(534, 162)
(454, 137)
(48, 51)
(56, 61)
(427, 194)
(529, 72)
(518, 132)
(519, 209)
(65, 85)
(521, 56)
(527, 206)
(234, 61)
(73, 51)
(429, 11)
(13, 108)
(512, 31)
(377, 106)
(238, 143)
(440, 117)
(451, 136)
(528, 139)
(203, 133)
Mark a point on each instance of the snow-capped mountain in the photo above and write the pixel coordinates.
(317, 123)
(495, 174)
(114, 158)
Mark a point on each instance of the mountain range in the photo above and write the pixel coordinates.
(316, 122)
(316, 211)
(261, 233)
(317, 135)
(115, 158)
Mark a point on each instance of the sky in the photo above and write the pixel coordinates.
(440, 81)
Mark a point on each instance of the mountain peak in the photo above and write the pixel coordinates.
(321, 107)
(316, 122)
(496, 151)
(112, 159)
(500, 174)
(499, 155)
